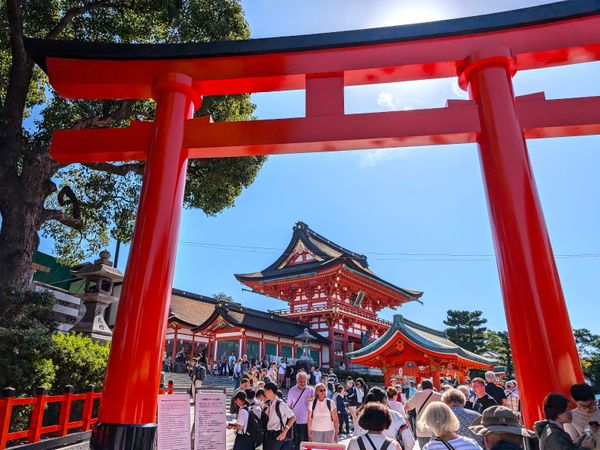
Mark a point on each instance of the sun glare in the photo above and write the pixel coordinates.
(406, 14)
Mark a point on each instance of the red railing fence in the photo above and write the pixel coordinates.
(39, 405)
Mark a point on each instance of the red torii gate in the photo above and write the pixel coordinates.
(484, 52)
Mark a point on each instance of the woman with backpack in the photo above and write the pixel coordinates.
(374, 418)
(243, 438)
(323, 422)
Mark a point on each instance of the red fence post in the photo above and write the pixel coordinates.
(8, 394)
(65, 411)
(171, 386)
(37, 415)
(88, 405)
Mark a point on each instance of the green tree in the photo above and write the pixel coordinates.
(588, 347)
(464, 329)
(83, 206)
(26, 326)
(498, 342)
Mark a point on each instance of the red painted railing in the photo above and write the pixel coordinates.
(36, 430)
(340, 307)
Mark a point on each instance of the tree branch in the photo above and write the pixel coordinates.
(124, 111)
(65, 219)
(122, 169)
(77, 11)
(67, 196)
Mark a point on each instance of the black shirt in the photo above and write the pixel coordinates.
(496, 392)
(483, 403)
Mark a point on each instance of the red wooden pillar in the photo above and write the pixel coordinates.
(435, 377)
(244, 346)
(129, 402)
(192, 347)
(331, 336)
(174, 345)
(540, 332)
(346, 325)
(388, 373)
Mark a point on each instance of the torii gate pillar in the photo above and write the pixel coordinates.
(541, 338)
(128, 410)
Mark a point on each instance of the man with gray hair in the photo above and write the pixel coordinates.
(299, 399)
(493, 390)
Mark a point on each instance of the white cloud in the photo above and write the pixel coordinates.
(372, 158)
(386, 99)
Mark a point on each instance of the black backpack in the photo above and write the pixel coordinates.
(361, 443)
(255, 427)
(314, 405)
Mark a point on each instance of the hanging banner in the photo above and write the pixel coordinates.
(209, 424)
(173, 422)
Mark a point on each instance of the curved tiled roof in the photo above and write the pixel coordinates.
(327, 254)
(240, 316)
(424, 337)
(199, 311)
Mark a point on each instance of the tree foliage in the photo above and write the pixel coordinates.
(498, 342)
(78, 361)
(83, 206)
(464, 329)
(26, 326)
(588, 346)
(33, 353)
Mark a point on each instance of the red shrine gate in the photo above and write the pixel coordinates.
(484, 52)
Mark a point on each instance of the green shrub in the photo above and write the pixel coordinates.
(78, 361)
(27, 323)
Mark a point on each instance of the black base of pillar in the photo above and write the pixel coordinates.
(110, 436)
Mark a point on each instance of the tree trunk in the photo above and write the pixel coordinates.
(18, 240)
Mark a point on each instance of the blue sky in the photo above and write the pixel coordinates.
(393, 204)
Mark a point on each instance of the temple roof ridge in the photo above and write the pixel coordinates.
(308, 254)
(305, 228)
(424, 337)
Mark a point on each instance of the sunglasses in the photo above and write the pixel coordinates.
(320, 390)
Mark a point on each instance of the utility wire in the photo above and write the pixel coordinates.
(378, 256)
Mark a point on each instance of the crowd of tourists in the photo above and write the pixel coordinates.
(477, 415)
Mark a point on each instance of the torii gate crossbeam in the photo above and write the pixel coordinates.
(484, 52)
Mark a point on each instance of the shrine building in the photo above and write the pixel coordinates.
(331, 291)
(409, 350)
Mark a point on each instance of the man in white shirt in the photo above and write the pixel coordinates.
(418, 402)
(281, 419)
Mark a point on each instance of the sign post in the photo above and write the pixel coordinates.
(173, 422)
(209, 421)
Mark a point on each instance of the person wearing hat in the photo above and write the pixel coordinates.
(501, 429)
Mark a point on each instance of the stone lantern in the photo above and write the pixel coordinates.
(99, 278)
(305, 361)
